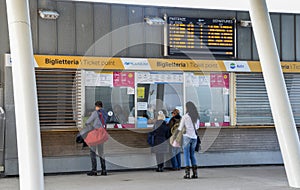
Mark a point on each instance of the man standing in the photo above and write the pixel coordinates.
(97, 120)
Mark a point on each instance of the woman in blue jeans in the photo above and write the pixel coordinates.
(191, 122)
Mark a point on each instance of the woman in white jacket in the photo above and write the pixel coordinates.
(191, 122)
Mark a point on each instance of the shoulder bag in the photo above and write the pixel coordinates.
(97, 136)
(176, 138)
(197, 149)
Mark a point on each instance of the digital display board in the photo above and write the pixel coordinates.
(201, 37)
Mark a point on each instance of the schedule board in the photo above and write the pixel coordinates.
(201, 37)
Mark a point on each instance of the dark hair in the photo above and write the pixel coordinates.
(192, 111)
(99, 104)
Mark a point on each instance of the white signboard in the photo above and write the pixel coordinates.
(159, 77)
(136, 64)
(142, 105)
(193, 80)
(98, 79)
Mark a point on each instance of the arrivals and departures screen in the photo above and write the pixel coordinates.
(201, 37)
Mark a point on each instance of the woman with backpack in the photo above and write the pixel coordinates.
(190, 121)
(175, 151)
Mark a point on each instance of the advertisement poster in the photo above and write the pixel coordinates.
(219, 80)
(123, 79)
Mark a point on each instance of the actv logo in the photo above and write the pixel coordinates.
(232, 66)
(238, 66)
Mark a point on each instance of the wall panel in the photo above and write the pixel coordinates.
(84, 28)
(297, 41)
(102, 29)
(254, 48)
(47, 32)
(4, 48)
(275, 19)
(244, 38)
(34, 24)
(287, 38)
(119, 22)
(153, 35)
(66, 28)
(136, 36)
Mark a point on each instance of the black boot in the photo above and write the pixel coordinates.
(160, 168)
(187, 173)
(93, 172)
(103, 166)
(195, 174)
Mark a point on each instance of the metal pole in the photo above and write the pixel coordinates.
(25, 96)
(276, 88)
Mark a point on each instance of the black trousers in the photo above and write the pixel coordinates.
(94, 152)
(160, 160)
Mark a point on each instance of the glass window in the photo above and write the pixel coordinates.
(114, 89)
(126, 95)
(210, 93)
(158, 91)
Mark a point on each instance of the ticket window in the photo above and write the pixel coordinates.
(158, 92)
(210, 93)
(114, 89)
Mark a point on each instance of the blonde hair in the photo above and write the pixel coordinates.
(161, 116)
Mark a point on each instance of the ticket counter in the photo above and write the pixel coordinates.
(230, 97)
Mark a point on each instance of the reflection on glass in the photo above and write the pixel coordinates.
(210, 93)
(117, 100)
(159, 97)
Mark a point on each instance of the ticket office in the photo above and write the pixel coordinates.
(133, 98)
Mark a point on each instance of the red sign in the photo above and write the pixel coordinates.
(219, 80)
(123, 79)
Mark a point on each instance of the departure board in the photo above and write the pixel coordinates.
(201, 37)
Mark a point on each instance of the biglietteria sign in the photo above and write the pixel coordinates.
(138, 64)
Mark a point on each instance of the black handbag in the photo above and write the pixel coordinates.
(81, 135)
(150, 138)
(79, 138)
(198, 147)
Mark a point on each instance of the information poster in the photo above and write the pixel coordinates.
(141, 92)
(142, 105)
